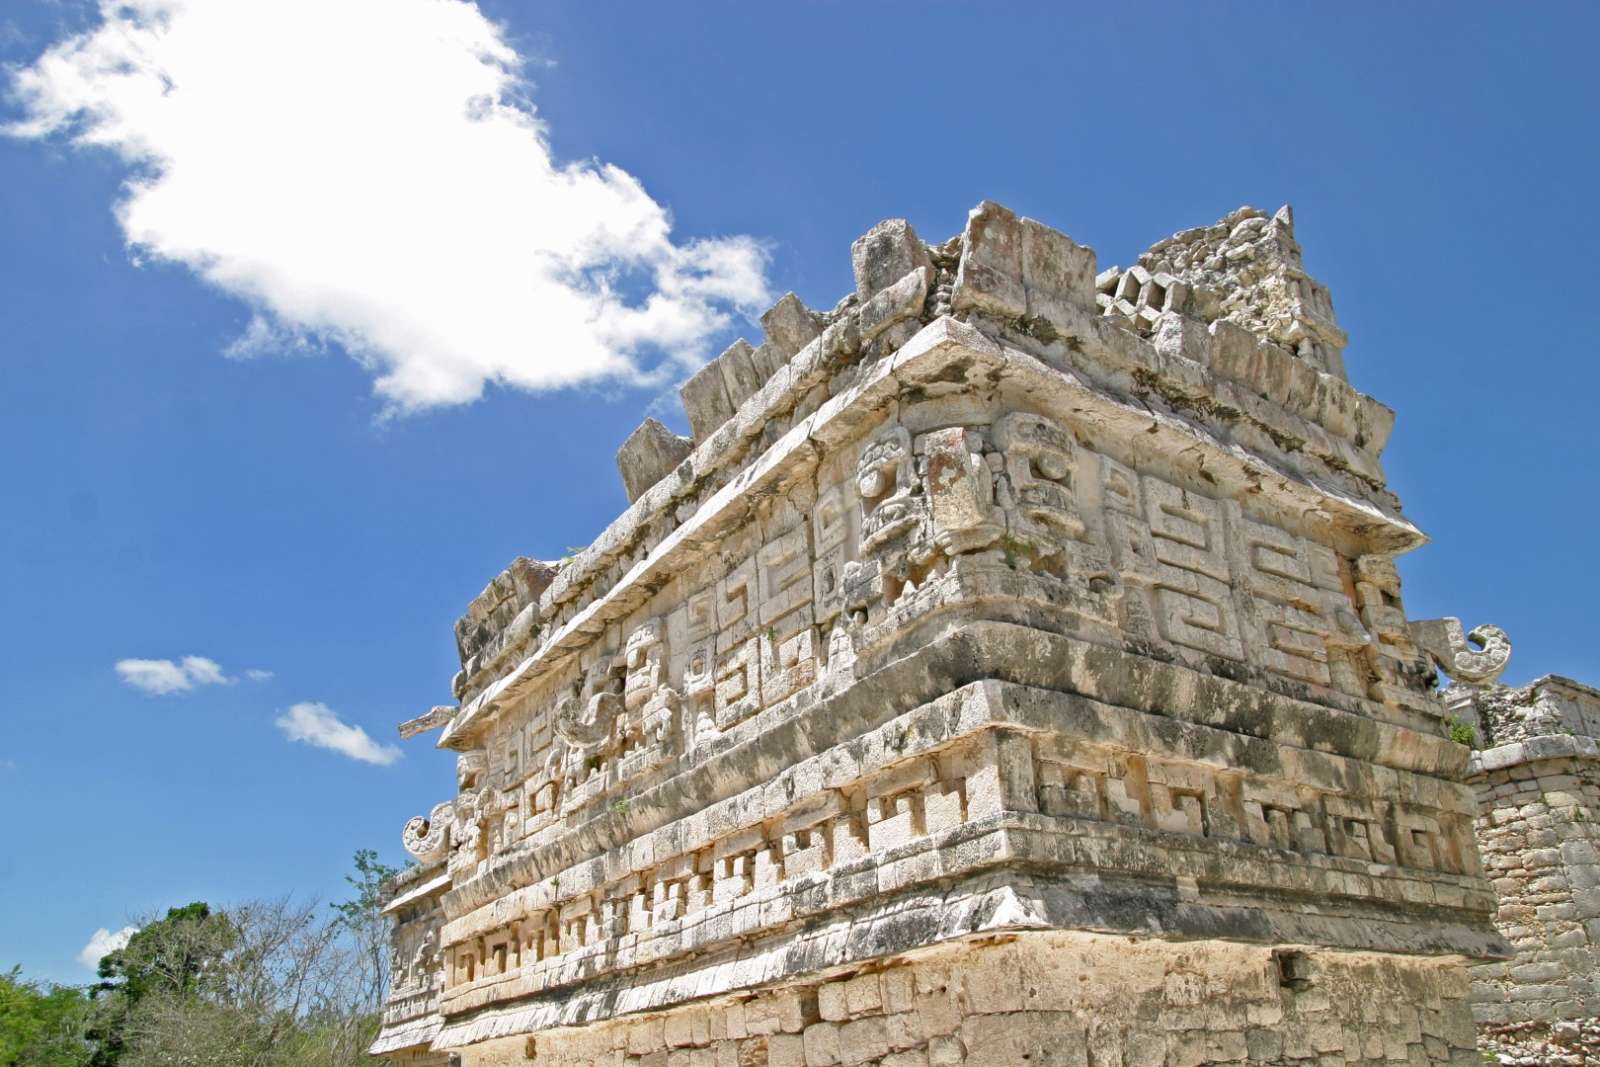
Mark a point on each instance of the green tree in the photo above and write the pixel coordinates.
(259, 984)
(363, 920)
(42, 1026)
(175, 957)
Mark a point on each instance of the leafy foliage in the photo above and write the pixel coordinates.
(260, 984)
(1462, 733)
(174, 957)
(362, 919)
(42, 1027)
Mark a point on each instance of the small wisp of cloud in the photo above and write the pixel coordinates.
(318, 725)
(165, 676)
(397, 197)
(102, 943)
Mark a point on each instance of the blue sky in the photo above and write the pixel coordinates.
(324, 518)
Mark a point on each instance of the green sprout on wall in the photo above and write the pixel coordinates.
(1462, 733)
(1013, 550)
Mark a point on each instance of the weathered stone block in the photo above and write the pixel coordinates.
(894, 303)
(740, 375)
(706, 401)
(790, 326)
(884, 255)
(989, 279)
(649, 454)
(1013, 269)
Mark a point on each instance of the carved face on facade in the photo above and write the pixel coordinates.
(470, 770)
(1037, 487)
(467, 826)
(886, 480)
(646, 659)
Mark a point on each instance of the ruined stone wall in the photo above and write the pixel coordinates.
(1538, 788)
(1539, 824)
(416, 1057)
(976, 618)
(1246, 271)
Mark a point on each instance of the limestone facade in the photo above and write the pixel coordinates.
(1538, 783)
(1011, 668)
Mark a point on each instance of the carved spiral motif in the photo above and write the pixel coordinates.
(1453, 651)
(1485, 665)
(426, 837)
(584, 724)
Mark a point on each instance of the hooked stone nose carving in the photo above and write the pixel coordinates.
(427, 837)
(1453, 651)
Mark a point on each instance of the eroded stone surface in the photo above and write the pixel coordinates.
(649, 454)
(1537, 780)
(1025, 1001)
(981, 623)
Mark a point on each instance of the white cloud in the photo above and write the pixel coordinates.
(317, 724)
(256, 674)
(104, 942)
(369, 172)
(162, 676)
(204, 671)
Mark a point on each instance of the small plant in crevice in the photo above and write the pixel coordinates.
(1461, 733)
(1013, 550)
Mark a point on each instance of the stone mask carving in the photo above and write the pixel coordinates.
(584, 721)
(1037, 488)
(886, 480)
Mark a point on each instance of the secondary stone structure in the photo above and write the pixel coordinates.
(1538, 783)
(1011, 669)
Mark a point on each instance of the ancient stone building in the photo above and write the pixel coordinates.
(1538, 782)
(1011, 669)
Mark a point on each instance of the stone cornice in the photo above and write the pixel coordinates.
(947, 354)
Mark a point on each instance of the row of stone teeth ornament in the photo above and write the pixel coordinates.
(1139, 296)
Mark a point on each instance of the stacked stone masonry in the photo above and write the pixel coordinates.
(1075, 1000)
(996, 675)
(1538, 784)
